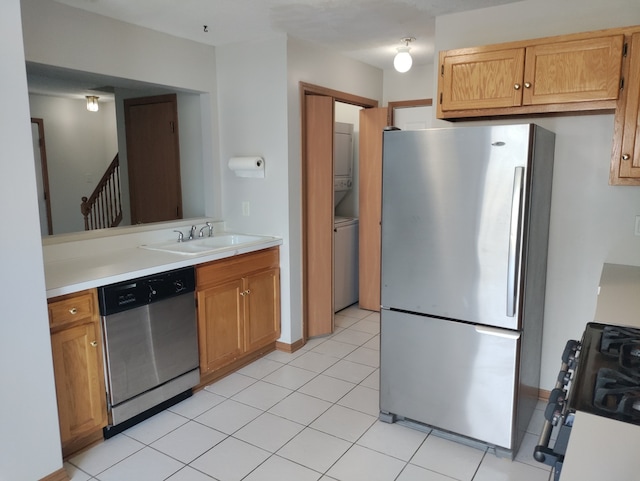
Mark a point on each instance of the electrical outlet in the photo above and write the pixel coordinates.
(245, 208)
(637, 231)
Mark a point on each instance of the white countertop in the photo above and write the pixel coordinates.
(619, 296)
(67, 273)
(601, 449)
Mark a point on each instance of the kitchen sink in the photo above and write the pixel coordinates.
(204, 245)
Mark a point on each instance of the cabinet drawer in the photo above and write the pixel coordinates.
(72, 308)
(234, 267)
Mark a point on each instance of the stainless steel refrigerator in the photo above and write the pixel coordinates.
(465, 222)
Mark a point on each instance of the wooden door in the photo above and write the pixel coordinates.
(153, 158)
(372, 124)
(318, 214)
(220, 325)
(80, 390)
(481, 80)
(576, 71)
(262, 323)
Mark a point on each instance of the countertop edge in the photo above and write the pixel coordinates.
(149, 263)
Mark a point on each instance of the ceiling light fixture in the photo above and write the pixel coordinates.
(402, 61)
(92, 103)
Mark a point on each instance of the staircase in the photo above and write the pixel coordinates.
(104, 207)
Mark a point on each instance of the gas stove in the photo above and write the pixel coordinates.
(600, 375)
(607, 381)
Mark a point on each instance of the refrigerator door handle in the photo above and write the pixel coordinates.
(514, 242)
(493, 331)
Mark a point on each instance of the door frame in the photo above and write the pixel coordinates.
(45, 173)
(337, 96)
(401, 104)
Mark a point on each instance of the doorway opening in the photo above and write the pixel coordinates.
(318, 106)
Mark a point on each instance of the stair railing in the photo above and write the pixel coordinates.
(104, 207)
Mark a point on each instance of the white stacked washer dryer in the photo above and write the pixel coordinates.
(345, 237)
(345, 267)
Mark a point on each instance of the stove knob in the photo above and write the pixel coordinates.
(557, 396)
(178, 285)
(564, 377)
(569, 353)
(553, 413)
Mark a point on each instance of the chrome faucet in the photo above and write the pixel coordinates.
(192, 232)
(208, 224)
(180, 235)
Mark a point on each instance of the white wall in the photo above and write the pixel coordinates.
(591, 222)
(417, 83)
(258, 96)
(253, 108)
(80, 145)
(30, 438)
(194, 184)
(66, 37)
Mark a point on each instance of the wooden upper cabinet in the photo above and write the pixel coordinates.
(568, 73)
(482, 80)
(578, 71)
(625, 158)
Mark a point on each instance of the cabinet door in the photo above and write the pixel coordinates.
(576, 71)
(262, 298)
(482, 80)
(629, 157)
(77, 364)
(220, 324)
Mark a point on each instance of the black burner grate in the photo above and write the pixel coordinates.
(618, 393)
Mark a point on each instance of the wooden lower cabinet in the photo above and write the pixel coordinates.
(238, 308)
(78, 368)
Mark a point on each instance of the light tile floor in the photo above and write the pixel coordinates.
(306, 416)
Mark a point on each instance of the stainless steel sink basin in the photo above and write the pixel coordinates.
(204, 245)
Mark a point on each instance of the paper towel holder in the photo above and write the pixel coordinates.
(248, 166)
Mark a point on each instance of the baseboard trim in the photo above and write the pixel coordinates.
(543, 394)
(290, 348)
(208, 378)
(59, 475)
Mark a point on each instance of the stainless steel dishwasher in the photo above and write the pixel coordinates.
(151, 345)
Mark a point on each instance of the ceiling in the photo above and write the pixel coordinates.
(366, 30)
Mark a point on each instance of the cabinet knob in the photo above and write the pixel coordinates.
(93, 343)
(626, 156)
(73, 310)
(527, 85)
(516, 86)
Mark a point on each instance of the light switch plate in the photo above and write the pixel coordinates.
(637, 231)
(245, 209)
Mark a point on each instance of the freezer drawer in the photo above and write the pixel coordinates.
(453, 376)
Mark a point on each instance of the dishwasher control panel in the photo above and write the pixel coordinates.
(145, 290)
